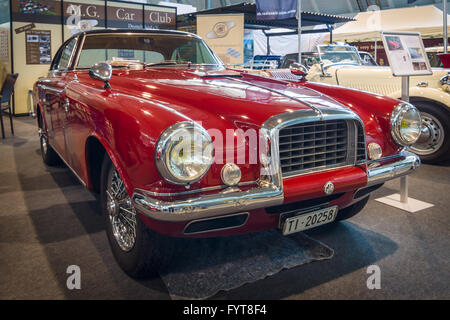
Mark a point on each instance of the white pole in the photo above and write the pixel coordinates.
(444, 14)
(404, 179)
(299, 29)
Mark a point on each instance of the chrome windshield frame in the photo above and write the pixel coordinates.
(357, 62)
(82, 39)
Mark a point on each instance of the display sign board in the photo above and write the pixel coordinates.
(124, 15)
(160, 17)
(38, 46)
(406, 53)
(37, 11)
(25, 28)
(83, 15)
(224, 33)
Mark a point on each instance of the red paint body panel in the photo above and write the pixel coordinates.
(311, 186)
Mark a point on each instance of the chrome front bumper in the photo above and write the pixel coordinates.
(259, 197)
(407, 162)
(207, 205)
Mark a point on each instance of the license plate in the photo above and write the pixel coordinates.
(309, 220)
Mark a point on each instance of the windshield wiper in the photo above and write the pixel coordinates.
(163, 63)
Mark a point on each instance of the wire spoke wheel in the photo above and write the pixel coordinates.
(432, 136)
(121, 212)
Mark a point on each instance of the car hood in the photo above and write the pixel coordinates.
(214, 95)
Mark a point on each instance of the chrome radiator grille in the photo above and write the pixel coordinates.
(320, 145)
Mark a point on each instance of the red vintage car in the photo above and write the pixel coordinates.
(179, 146)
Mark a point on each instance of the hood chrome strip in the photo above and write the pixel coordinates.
(316, 110)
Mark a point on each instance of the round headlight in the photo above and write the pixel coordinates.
(405, 124)
(184, 153)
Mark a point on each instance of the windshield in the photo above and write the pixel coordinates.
(331, 54)
(308, 59)
(149, 49)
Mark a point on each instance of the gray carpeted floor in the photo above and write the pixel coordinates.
(48, 221)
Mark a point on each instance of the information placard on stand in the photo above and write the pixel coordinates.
(407, 57)
(406, 54)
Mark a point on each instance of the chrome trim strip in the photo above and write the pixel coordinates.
(182, 193)
(316, 110)
(407, 163)
(44, 87)
(78, 52)
(372, 162)
(214, 218)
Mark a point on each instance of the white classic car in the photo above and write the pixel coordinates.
(342, 65)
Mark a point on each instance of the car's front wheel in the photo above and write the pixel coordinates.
(138, 251)
(434, 142)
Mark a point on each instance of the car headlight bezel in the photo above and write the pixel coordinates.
(169, 139)
(397, 122)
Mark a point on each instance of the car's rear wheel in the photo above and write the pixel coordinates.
(434, 142)
(138, 251)
(352, 210)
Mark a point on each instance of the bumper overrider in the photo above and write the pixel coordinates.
(268, 191)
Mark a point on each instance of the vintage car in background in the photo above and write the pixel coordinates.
(264, 62)
(342, 65)
(437, 57)
(311, 58)
(179, 146)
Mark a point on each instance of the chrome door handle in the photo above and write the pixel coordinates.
(66, 104)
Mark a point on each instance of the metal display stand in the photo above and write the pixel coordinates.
(402, 200)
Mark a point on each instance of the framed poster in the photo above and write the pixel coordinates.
(224, 34)
(38, 46)
(37, 11)
(406, 53)
(4, 46)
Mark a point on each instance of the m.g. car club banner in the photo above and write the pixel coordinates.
(275, 9)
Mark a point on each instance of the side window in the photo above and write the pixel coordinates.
(63, 59)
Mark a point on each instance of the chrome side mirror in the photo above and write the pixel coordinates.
(101, 71)
(324, 72)
(298, 69)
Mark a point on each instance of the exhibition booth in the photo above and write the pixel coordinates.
(248, 151)
(365, 31)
